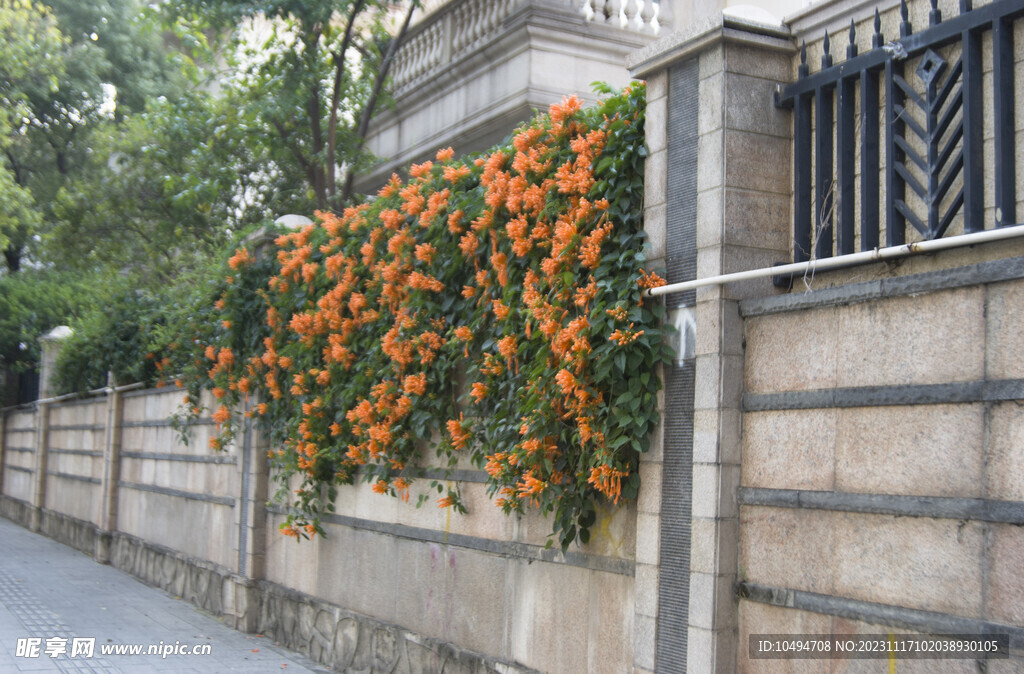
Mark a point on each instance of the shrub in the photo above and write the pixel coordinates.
(498, 298)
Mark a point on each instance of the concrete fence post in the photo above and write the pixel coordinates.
(251, 521)
(111, 472)
(38, 501)
(3, 447)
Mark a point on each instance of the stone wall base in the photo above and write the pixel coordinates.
(329, 634)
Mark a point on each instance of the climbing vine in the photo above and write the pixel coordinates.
(488, 307)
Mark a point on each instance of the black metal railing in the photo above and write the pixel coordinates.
(932, 133)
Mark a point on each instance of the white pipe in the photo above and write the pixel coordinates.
(846, 260)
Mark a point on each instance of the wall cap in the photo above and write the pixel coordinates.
(725, 27)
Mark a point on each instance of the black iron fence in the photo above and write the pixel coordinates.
(929, 123)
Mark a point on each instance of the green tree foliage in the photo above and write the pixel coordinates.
(102, 62)
(308, 86)
(163, 190)
(31, 63)
(32, 303)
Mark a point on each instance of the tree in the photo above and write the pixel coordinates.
(93, 64)
(33, 302)
(160, 191)
(309, 89)
(31, 63)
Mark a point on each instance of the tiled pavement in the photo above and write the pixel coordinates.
(50, 591)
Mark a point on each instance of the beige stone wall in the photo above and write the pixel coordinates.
(76, 432)
(18, 460)
(857, 448)
(483, 581)
(919, 441)
(180, 496)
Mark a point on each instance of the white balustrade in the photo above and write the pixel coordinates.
(641, 16)
(463, 24)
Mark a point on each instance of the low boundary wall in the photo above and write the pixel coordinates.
(390, 588)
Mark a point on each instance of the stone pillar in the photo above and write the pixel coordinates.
(649, 500)
(111, 473)
(736, 167)
(51, 343)
(743, 216)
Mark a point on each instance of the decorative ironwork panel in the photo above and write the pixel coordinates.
(931, 133)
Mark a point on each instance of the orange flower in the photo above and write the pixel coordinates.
(618, 313)
(380, 487)
(420, 170)
(650, 280)
(608, 481)
(468, 244)
(445, 154)
(623, 337)
(445, 502)
(402, 486)
(415, 384)
(478, 391)
(239, 259)
(464, 333)
(566, 381)
(454, 174)
(507, 347)
(458, 432)
(425, 252)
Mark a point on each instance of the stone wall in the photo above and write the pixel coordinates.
(842, 458)
(391, 587)
(882, 456)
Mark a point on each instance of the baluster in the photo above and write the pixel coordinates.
(905, 27)
(870, 149)
(629, 9)
(435, 46)
(459, 38)
(647, 14)
(895, 188)
(1004, 122)
(966, 6)
(935, 15)
(476, 23)
(417, 63)
(823, 161)
(802, 168)
(846, 139)
(614, 18)
(599, 11)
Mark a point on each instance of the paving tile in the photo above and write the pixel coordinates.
(50, 590)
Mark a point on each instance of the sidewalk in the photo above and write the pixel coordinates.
(50, 592)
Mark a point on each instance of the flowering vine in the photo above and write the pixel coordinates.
(494, 300)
